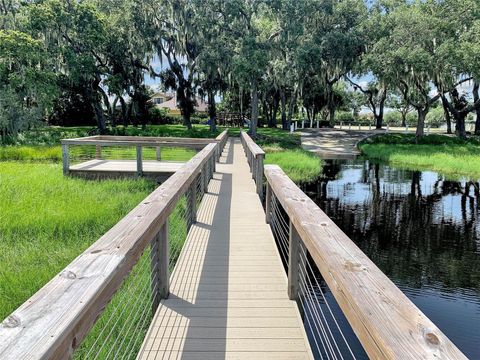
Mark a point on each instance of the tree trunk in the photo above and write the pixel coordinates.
(476, 97)
(381, 107)
(266, 111)
(446, 113)
(331, 105)
(275, 111)
(212, 111)
(404, 119)
(95, 99)
(460, 122)
(283, 102)
(254, 117)
(291, 107)
(422, 113)
(124, 110)
(184, 103)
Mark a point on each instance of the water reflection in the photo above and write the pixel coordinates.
(421, 229)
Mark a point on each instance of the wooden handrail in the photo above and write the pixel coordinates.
(255, 157)
(387, 323)
(55, 320)
(252, 145)
(107, 140)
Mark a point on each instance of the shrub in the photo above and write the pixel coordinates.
(435, 117)
(344, 116)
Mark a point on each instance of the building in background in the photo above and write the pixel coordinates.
(169, 101)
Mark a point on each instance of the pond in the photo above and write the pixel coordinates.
(421, 229)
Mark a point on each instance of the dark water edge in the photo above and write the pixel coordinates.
(421, 229)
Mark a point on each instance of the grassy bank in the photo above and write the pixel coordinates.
(447, 155)
(284, 149)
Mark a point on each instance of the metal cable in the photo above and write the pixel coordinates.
(326, 335)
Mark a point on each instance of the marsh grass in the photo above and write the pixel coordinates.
(46, 220)
(52, 135)
(448, 155)
(284, 149)
(54, 153)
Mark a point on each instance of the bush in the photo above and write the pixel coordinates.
(435, 118)
(393, 118)
(344, 116)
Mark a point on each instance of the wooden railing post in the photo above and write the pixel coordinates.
(259, 175)
(159, 153)
(160, 260)
(65, 159)
(98, 152)
(268, 204)
(293, 263)
(192, 204)
(139, 161)
(253, 167)
(205, 177)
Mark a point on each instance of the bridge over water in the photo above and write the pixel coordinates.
(215, 265)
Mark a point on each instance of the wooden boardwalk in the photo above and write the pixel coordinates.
(228, 295)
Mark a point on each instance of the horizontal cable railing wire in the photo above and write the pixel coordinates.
(310, 296)
(350, 309)
(85, 154)
(119, 332)
(100, 306)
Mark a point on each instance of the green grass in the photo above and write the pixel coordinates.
(53, 135)
(54, 153)
(448, 155)
(46, 220)
(284, 149)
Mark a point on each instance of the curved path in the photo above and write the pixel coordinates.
(333, 143)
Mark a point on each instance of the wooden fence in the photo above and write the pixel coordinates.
(53, 323)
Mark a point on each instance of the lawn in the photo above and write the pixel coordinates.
(448, 155)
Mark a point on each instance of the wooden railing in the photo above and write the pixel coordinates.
(138, 142)
(255, 156)
(386, 322)
(53, 323)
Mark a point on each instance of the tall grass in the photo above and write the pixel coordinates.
(450, 156)
(54, 153)
(53, 135)
(46, 220)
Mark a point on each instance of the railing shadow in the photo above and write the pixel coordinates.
(195, 315)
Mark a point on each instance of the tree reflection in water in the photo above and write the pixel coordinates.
(421, 229)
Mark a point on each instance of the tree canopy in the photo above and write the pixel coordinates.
(87, 60)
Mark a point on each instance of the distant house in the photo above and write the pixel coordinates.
(169, 101)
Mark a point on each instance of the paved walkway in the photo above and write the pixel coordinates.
(333, 143)
(229, 289)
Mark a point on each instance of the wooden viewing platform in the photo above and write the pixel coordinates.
(100, 167)
(198, 270)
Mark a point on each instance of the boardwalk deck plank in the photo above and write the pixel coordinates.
(229, 289)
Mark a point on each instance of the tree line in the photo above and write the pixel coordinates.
(88, 59)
